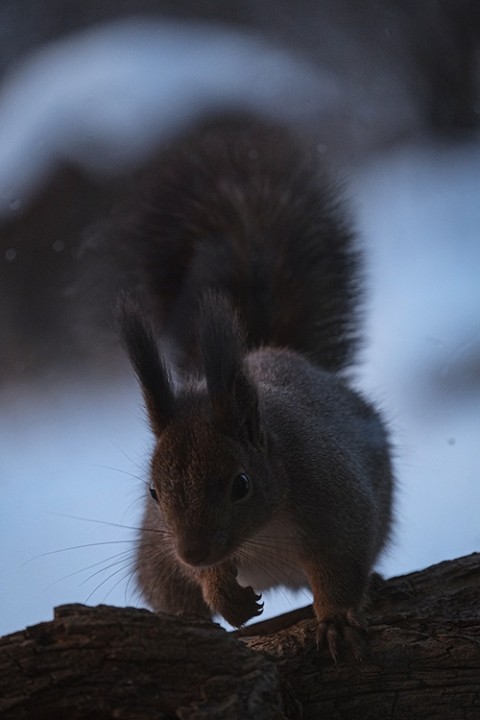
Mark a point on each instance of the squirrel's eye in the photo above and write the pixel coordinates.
(240, 487)
(153, 493)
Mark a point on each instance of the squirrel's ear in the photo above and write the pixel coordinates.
(232, 393)
(149, 366)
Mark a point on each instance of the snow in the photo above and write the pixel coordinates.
(106, 96)
(419, 212)
(74, 454)
(73, 458)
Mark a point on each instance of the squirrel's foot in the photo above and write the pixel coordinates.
(343, 631)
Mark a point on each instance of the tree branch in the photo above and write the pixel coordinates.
(108, 662)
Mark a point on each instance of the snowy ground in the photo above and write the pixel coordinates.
(419, 213)
(73, 455)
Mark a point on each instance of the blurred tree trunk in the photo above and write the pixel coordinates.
(400, 69)
(107, 662)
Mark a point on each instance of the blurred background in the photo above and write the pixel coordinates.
(89, 92)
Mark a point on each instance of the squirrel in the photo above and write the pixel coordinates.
(268, 469)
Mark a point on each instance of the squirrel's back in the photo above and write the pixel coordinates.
(243, 207)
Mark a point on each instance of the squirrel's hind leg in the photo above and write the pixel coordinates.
(346, 630)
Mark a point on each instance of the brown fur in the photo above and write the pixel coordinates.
(268, 470)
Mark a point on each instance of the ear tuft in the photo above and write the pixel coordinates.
(232, 392)
(222, 343)
(149, 365)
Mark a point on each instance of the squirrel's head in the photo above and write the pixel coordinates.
(211, 466)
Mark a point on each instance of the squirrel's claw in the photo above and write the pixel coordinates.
(341, 633)
(241, 608)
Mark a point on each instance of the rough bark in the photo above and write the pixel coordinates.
(106, 662)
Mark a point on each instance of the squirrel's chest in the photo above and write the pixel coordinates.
(271, 558)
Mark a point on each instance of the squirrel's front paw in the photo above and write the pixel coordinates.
(343, 631)
(227, 598)
(240, 605)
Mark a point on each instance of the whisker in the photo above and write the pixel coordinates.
(160, 531)
(125, 455)
(278, 567)
(139, 499)
(129, 573)
(122, 559)
(122, 472)
(93, 520)
(271, 541)
(257, 549)
(122, 555)
(274, 568)
(74, 547)
(95, 589)
(127, 588)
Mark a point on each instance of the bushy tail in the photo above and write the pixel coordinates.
(240, 206)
